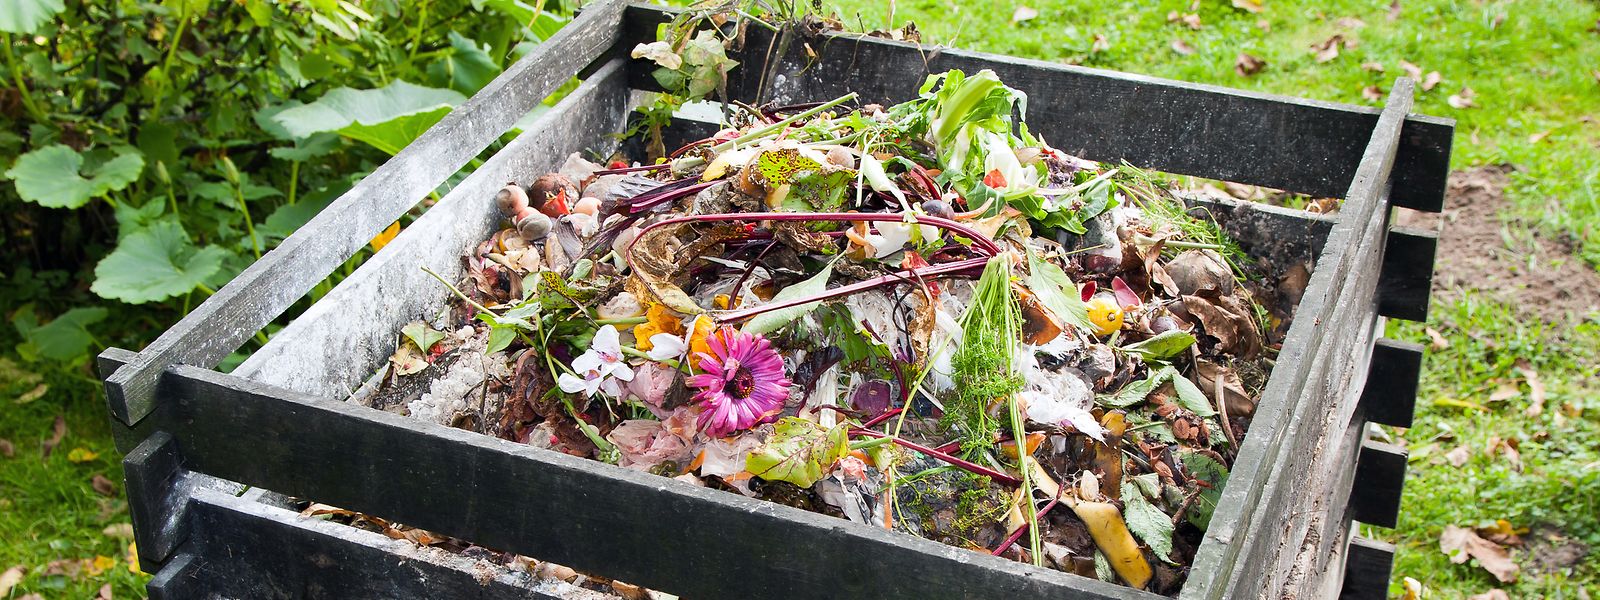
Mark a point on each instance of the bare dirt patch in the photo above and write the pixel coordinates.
(1482, 255)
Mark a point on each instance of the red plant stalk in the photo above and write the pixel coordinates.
(632, 169)
(654, 198)
(999, 477)
(1017, 535)
(875, 421)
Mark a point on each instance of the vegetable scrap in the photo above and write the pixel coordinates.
(918, 317)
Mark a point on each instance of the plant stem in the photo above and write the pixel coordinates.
(294, 179)
(249, 223)
(416, 33)
(166, 65)
(759, 133)
(22, 86)
(622, 321)
(999, 477)
(458, 293)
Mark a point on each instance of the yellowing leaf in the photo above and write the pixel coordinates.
(387, 236)
(133, 558)
(100, 564)
(82, 455)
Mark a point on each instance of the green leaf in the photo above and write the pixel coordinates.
(27, 16)
(466, 68)
(1190, 396)
(51, 176)
(773, 320)
(1058, 293)
(422, 335)
(798, 452)
(1137, 391)
(131, 218)
(1207, 469)
(1163, 346)
(500, 337)
(1152, 526)
(155, 263)
(65, 338)
(305, 149)
(387, 118)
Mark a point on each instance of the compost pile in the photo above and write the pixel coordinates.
(918, 317)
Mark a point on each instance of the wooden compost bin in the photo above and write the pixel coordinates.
(196, 437)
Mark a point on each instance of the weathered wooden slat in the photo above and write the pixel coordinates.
(1380, 478)
(351, 332)
(1390, 394)
(150, 474)
(626, 524)
(1367, 570)
(264, 290)
(176, 580)
(1248, 537)
(250, 550)
(1207, 131)
(1406, 285)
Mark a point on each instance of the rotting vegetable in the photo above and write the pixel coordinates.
(919, 317)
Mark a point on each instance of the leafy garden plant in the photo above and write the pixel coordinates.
(152, 150)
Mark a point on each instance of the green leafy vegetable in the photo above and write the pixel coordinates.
(1207, 469)
(1058, 293)
(771, 321)
(798, 452)
(1147, 522)
(1163, 346)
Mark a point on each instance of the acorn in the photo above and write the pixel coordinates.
(533, 225)
(511, 199)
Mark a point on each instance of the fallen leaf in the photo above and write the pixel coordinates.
(1328, 49)
(1505, 391)
(1462, 100)
(1494, 594)
(10, 579)
(1246, 65)
(103, 486)
(1182, 47)
(66, 567)
(1375, 67)
(57, 431)
(1350, 23)
(1458, 456)
(7, 449)
(1264, 25)
(1193, 21)
(1596, 74)
(1507, 448)
(1412, 71)
(1173, 16)
(1431, 80)
(1538, 137)
(1436, 341)
(105, 593)
(100, 564)
(1022, 14)
(1460, 544)
(1414, 589)
(133, 558)
(384, 237)
(1254, 6)
(1101, 44)
(1535, 390)
(34, 394)
(82, 455)
(1394, 10)
(408, 360)
(118, 531)
(1500, 532)
(1373, 93)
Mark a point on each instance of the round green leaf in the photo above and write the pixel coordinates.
(155, 263)
(50, 176)
(26, 16)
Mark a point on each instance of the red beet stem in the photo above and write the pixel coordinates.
(1017, 535)
(970, 267)
(632, 169)
(883, 417)
(999, 477)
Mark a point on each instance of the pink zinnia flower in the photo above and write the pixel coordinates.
(743, 384)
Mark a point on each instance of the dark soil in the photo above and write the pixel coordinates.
(1482, 255)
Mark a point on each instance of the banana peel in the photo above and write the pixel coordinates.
(1106, 527)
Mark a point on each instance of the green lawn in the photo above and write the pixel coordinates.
(1532, 65)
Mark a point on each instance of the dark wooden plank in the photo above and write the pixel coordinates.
(350, 333)
(1407, 281)
(150, 474)
(1207, 131)
(1367, 570)
(641, 528)
(1390, 394)
(1261, 518)
(1380, 478)
(251, 550)
(176, 580)
(264, 290)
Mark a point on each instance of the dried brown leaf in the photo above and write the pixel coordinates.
(1412, 71)
(7, 449)
(1500, 532)
(1375, 67)
(1394, 10)
(1431, 80)
(1494, 594)
(1173, 16)
(1246, 65)
(1538, 137)
(1101, 44)
(1192, 20)
(1328, 49)
(1373, 93)
(1350, 23)
(1460, 544)
(1505, 391)
(1462, 100)
(1254, 6)
(1436, 341)
(11, 578)
(1535, 390)
(118, 531)
(1458, 456)
(105, 593)
(58, 430)
(102, 485)
(1023, 14)
(1182, 47)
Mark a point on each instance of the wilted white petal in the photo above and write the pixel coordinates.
(665, 346)
(660, 53)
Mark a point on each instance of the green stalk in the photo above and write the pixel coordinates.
(249, 223)
(294, 179)
(166, 64)
(22, 86)
(416, 33)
